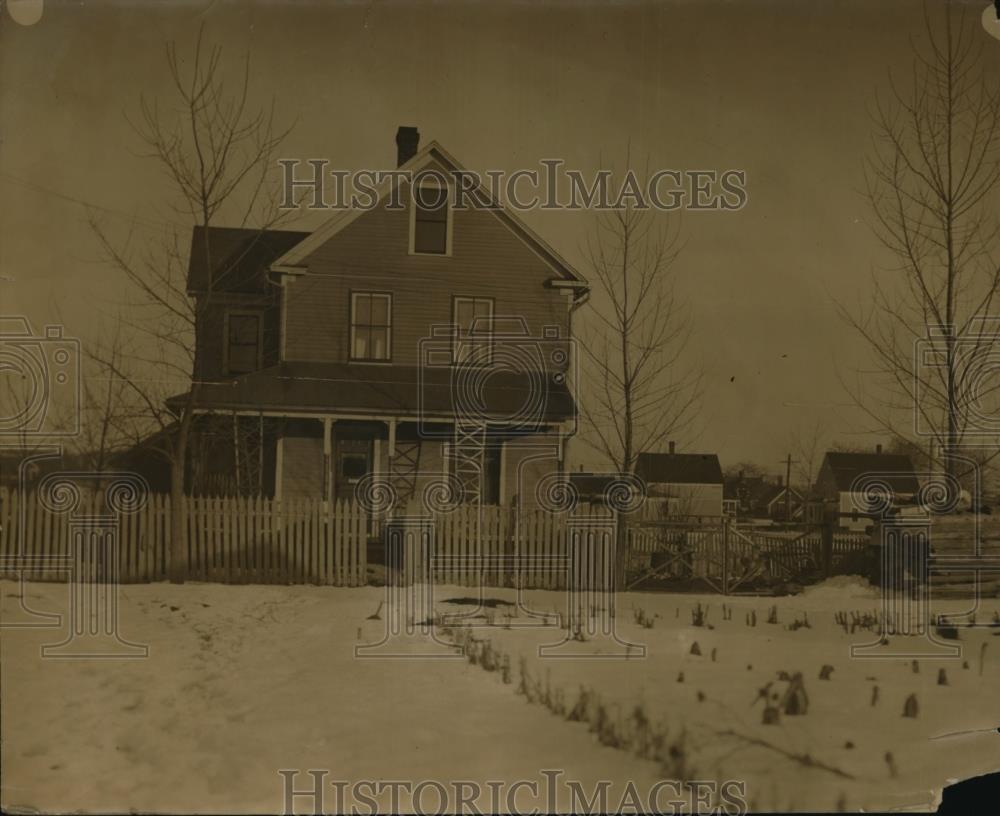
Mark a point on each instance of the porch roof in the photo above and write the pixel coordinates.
(520, 399)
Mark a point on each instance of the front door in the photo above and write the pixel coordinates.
(353, 461)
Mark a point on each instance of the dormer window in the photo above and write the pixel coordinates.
(430, 220)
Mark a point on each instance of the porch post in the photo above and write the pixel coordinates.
(327, 457)
(392, 438)
(503, 473)
(279, 459)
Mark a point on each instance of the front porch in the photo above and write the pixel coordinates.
(329, 456)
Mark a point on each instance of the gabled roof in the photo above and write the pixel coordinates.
(679, 468)
(589, 485)
(894, 469)
(294, 387)
(776, 492)
(295, 258)
(241, 257)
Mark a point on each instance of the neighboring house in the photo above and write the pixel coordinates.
(682, 484)
(591, 488)
(841, 474)
(414, 340)
(761, 498)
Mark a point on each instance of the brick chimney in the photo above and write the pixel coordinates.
(878, 448)
(672, 447)
(407, 144)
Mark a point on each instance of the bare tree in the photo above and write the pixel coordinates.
(807, 454)
(641, 389)
(217, 152)
(110, 419)
(746, 470)
(932, 179)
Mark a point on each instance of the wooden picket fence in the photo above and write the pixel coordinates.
(499, 546)
(231, 540)
(238, 540)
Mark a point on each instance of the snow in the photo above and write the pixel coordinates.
(242, 681)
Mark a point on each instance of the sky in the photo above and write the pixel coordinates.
(782, 90)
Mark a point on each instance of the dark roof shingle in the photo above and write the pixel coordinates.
(240, 257)
(679, 468)
(304, 387)
(894, 469)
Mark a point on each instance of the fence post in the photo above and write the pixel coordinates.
(725, 555)
(826, 534)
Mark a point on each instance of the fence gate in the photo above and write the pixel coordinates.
(677, 553)
(723, 557)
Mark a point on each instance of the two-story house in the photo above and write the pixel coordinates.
(412, 339)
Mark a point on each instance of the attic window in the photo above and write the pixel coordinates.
(431, 221)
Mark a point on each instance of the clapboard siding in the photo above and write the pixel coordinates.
(372, 253)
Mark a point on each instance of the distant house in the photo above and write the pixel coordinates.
(591, 488)
(762, 498)
(682, 484)
(842, 475)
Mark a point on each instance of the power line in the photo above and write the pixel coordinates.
(38, 188)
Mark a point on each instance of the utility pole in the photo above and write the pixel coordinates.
(788, 487)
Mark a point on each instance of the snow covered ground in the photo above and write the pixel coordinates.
(242, 681)
(845, 751)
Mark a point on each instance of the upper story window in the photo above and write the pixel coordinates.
(243, 342)
(473, 319)
(430, 220)
(371, 326)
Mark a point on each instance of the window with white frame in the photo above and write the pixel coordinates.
(473, 319)
(431, 222)
(371, 326)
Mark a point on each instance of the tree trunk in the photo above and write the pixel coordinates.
(178, 507)
(178, 526)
